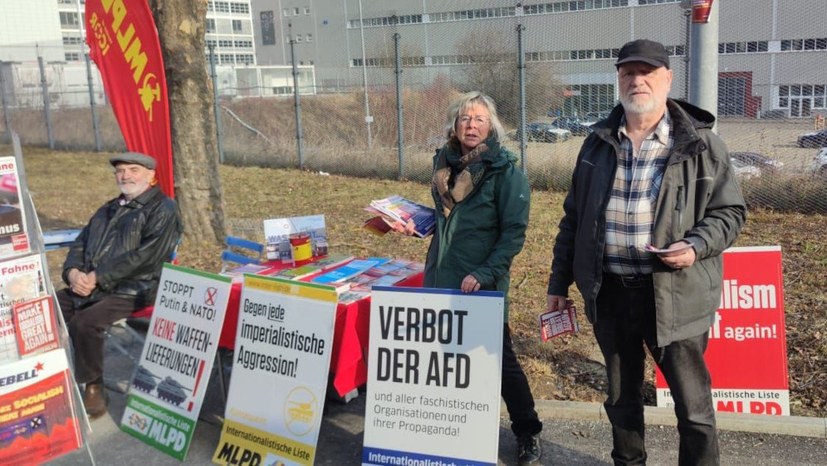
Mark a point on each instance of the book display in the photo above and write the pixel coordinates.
(34, 363)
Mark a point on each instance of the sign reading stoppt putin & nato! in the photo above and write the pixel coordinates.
(170, 382)
(281, 362)
(747, 352)
(434, 369)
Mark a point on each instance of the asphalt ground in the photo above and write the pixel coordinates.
(574, 433)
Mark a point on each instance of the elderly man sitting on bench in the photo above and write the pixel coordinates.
(114, 265)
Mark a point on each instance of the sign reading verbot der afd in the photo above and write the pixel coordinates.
(433, 392)
(747, 353)
(280, 366)
(169, 385)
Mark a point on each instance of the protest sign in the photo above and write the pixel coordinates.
(435, 364)
(37, 416)
(21, 279)
(284, 338)
(747, 352)
(169, 385)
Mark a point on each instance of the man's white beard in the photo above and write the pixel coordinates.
(639, 108)
(133, 190)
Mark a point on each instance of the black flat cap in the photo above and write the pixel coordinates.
(133, 157)
(647, 51)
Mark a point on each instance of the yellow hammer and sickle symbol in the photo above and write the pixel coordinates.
(149, 92)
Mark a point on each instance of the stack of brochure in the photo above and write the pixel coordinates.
(398, 209)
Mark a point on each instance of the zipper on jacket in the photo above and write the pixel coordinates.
(679, 206)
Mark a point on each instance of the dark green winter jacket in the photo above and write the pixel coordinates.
(483, 232)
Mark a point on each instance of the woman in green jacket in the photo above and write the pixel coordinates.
(482, 202)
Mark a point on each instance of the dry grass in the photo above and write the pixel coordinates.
(68, 187)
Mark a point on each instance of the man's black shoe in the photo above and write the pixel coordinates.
(528, 450)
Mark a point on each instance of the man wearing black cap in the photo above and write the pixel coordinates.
(653, 203)
(113, 267)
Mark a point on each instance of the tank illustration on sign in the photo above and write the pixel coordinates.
(171, 391)
(144, 380)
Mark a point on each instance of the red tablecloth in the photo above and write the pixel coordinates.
(348, 360)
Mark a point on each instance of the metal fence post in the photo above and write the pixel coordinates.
(521, 72)
(46, 108)
(298, 105)
(216, 105)
(400, 135)
(90, 84)
(6, 119)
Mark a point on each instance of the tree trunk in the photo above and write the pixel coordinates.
(198, 191)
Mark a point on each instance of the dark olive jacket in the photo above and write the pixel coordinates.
(126, 246)
(485, 231)
(699, 201)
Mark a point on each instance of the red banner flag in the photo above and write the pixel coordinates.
(123, 42)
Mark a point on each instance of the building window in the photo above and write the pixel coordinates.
(298, 37)
(69, 19)
(244, 59)
(237, 28)
(296, 11)
(799, 45)
(222, 7)
(309, 37)
(287, 12)
(307, 10)
(71, 56)
(242, 8)
(72, 40)
(210, 25)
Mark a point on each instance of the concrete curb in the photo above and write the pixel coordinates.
(799, 426)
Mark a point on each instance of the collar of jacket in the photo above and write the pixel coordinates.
(144, 198)
(687, 119)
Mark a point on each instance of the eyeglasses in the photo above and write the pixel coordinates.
(479, 120)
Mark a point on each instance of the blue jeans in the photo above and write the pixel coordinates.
(625, 322)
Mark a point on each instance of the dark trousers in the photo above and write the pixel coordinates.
(517, 393)
(86, 326)
(625, 322)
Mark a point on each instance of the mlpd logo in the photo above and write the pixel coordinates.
(300, 410)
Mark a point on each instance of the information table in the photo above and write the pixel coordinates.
(348, 360)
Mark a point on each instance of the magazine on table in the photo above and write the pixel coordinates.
(398, 209)
(351, 269)
(35, 324)
(325, 263)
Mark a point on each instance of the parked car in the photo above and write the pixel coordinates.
(544, 132)
(593, 117)
(813, 139)
(819, 166)
(573, 124)
(757, 160)
(743, 170)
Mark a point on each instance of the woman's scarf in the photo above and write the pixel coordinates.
(455, 175)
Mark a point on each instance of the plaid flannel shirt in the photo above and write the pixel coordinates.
(631, 210)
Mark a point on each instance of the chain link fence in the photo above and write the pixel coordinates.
(380, 112)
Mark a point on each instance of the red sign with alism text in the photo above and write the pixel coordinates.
(123, 42)
(747, 352)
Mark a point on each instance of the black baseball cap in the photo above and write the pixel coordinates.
(647, 51)
(133, 157)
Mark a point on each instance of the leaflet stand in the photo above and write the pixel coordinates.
(54, 424)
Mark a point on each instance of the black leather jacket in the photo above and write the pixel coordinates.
(126, 246)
